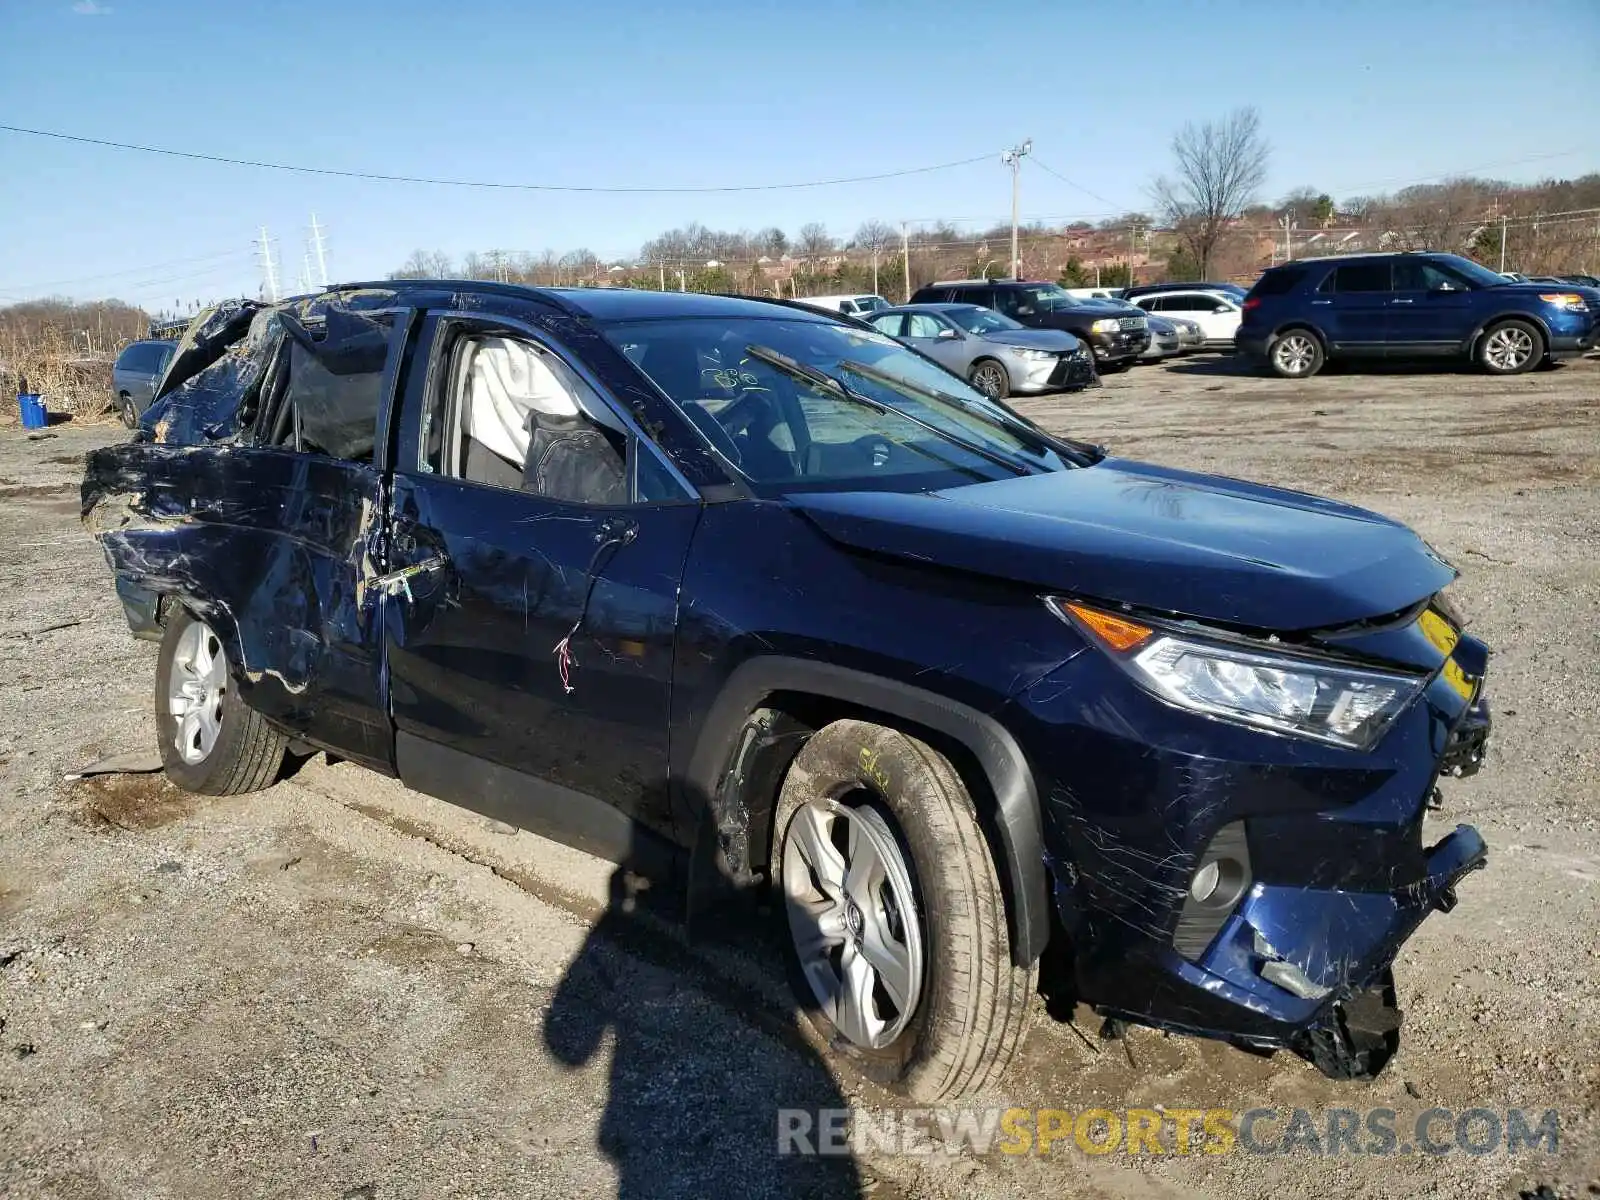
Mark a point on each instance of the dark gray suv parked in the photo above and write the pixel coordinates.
(139, 368)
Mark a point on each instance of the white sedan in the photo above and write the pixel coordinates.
(1217, 313)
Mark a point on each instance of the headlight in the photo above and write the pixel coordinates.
(1564, 300)
(1301, 697)
(1035, 355)
(1106, 325)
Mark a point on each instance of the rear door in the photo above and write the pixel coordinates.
(1430, 311)
(532, 603)
(1218, 318)
(1357, 298)
(272, 540)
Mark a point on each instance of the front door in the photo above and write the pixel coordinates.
(532, 603)
(940, 341)
(1430, 311)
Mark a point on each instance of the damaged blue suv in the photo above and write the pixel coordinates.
(755, 599)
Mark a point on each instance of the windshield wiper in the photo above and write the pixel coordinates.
(828, 383)
(796, 369)
(1037, 439)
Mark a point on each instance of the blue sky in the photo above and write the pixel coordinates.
(1355, 96)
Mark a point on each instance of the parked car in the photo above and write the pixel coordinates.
(1190, 336)
(853, 305)
(1150, 289)
(1216, 313)
(135, 374)
(1411, 305)
(1094, 293)
(758, 601)
(1164, 341)
(1582, 280)
(997, 355)
(1114, 331)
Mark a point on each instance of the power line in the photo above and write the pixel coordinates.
(161, 266)
(475, 183)
(1464, 172)
(1078, 186)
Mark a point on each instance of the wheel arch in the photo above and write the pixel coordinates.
(1499, 318)
(1295, 324)
(767, 709)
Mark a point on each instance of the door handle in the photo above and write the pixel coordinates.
(399, 582)
(1402, 302)
(1322, 302)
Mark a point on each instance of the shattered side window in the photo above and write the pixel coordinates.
(335, 382)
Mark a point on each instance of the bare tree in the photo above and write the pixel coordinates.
(814, 241)
(874, 237)
(1220, 168)
(425, 264)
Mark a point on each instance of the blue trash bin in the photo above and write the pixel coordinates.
(34, 414)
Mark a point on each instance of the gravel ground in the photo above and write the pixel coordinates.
(340, 988)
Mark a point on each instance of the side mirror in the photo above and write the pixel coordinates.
(948, 334)
(1444, 285)
(1223, 308)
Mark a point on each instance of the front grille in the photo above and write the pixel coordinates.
(1132, 323)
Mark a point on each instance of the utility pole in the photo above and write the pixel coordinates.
(1133, 247)
(318, 250)
(1013, 159)
(268, 267)
(1502, 243)
(1288, 236)
(662, 267)
(875, 271)
(905, 258)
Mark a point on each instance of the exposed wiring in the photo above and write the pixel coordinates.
(612, 537)
(478, 183)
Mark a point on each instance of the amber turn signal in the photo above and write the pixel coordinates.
(1116, 632)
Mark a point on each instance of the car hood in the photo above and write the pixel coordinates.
(1200, 545)
(1036, 339)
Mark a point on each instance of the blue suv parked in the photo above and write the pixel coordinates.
(1390, 306)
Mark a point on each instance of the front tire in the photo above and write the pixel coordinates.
(1510, 348)
(990, 378)
(211, 742)
(897, 921)
(1298, 354)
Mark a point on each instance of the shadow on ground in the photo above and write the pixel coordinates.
(689, 1110)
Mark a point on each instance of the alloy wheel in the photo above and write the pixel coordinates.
(1509, 348)
(853, 917)
(989, 379)
(195, 688)
(1294, 354)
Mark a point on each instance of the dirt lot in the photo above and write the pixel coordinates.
(339, 988)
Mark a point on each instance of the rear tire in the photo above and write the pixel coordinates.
(1510, 348)
(857, 785)
(1297, 354)
(125, 409)
(211, 742)
(990, 378)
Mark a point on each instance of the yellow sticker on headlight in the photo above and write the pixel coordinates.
(1457, 679)
(1439, 631)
